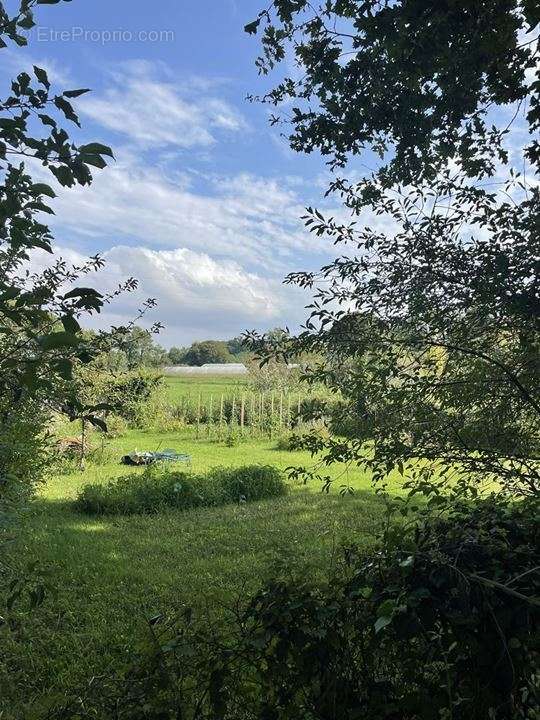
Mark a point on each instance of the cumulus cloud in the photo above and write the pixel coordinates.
(199, 297)
(252, 220)
(141, 102)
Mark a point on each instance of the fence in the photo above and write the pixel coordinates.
(252, 414)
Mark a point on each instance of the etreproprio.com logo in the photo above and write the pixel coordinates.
(102, 37)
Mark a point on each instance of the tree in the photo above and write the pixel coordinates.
(40, 314)
(176, 355)
(430, 326)
(140, 350)
(208, 351)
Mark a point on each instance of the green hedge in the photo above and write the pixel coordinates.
(156, 489)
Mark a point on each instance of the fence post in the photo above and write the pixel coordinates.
(221, 418)
(198, 415)
(281, 411)
(210, 418)
(289, 411)
(251, 413)
(271, 426)
(233, 411)
(242, 414)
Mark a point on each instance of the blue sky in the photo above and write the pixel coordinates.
(203, 202)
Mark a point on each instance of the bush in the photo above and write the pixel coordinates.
(117, 426)
(157, 489)
(248, 483)
(25, 451)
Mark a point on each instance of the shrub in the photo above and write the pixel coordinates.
(117, 426)
(25, 450)
(157, 489)
(251, 482)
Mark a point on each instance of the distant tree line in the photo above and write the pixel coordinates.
(209, 351)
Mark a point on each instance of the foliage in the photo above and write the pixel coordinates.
(157, 489)
(303, 439)
(442, 624)
(136, 349)
(411, 80)
(25, 451)
(429, 318)
(176, 355)
(208, 351)
(107, 574)
(40, 312)
(129, 393)
(273, 376)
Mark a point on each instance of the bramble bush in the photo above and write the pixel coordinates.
(158, 488)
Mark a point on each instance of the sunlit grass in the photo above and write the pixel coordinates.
(106, 576)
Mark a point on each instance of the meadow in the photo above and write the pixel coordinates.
(189, 386)
(105, 576)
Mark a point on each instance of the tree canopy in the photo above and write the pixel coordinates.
(429, 318)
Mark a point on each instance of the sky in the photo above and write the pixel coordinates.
(203, 202)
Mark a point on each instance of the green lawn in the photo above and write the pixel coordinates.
(179, 387)
(108, 575)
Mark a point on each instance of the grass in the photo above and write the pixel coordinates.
(179, 387)
(107, 575)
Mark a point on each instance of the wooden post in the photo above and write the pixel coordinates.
(289, 411)
(210, 418)
(251, 413)
(221, 418)
(233, 411)
(271, 428)
(198, 415)
(281, 411)
(242, 414)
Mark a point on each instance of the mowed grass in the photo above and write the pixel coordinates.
(178, 387)
(108, 575)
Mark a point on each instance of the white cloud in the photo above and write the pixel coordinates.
(157, 112)
(198, 297)
(252, 220)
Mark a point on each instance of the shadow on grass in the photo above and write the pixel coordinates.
(109, 574)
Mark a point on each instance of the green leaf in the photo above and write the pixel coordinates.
(75, 93)
(97, 422)
(66, 107)
(94, 160)
(386, 608)
(43, 189)
(9, 294)
(70, 324)
(252, 27)
(42, 76)
(64, 175)
(64, 368)
(57, 340)
(81, 292)
(382, 622)
(96, 149)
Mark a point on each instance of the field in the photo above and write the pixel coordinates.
(106, 576)
(179, 387)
